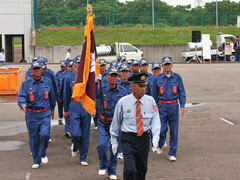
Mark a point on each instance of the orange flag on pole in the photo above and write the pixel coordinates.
(84, 89)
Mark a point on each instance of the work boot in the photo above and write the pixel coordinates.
(60, 122)
(67, 135)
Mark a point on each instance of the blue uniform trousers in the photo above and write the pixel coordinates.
(135, 153)
(96, 119)
(60, 109)
(38, 125)
(80, 129)
(67, 124)
(106, 162)
(119, 142)
(169, 116)
(237, 56)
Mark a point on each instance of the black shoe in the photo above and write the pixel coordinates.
(67, 135)
(60, 122)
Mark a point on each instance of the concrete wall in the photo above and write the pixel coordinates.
(155, 53)
(15, 18)
(56, 53)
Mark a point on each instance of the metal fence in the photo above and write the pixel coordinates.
(132, 19)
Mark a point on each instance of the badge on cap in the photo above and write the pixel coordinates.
(73, 82)
(143, 78)
(128, 110)
(30, 88)
(124, 66)
(167, 59)
(155, 108)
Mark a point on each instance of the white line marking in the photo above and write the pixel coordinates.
(28, 176)
(229, 122)
(8, 103)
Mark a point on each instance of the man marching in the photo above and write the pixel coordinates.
(37, 99)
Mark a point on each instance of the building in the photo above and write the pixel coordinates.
(16, 28)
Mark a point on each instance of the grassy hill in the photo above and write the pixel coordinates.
(136, 36)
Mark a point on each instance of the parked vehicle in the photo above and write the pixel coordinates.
(111, 53)
(195, 49)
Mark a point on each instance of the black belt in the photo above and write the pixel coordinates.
(136, 134)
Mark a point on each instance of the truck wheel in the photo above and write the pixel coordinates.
(232, 58)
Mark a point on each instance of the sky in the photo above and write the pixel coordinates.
(184, 2)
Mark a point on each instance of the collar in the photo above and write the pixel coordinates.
(121, 82)
(134, 99)
(35, 82)
(171, 75)
(109, 89)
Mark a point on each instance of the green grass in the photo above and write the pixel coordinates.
(136, 36)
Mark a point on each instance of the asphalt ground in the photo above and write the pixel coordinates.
(208, 148)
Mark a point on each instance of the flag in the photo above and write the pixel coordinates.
(84, 88)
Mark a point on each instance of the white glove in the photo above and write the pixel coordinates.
(114, 149)
(155, 146)
(98, 78)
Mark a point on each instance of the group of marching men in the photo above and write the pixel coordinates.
(164, 92)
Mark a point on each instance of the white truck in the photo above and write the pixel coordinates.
(111, 53)
(195, 49)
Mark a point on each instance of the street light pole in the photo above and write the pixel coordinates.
(216, 14)
(153, 23)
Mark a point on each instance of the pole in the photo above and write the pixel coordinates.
(87, 2)
(153, 24)
(113, 16)
(216, 14)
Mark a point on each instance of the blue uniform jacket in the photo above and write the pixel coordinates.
(126, 86)
(69, 83)
(149, 86)
(169, 88)
(50, 74)
(64, 74)
(28, 73)
(110, 97)
(37, 94)
(58, 79)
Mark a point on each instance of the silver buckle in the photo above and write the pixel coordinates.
(169, 102)
(38, 111)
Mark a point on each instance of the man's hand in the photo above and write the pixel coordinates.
(23, 108)
(52, 114)
(155, 146)
(182, 111)
(98, 78)
(114, 149)
(65, 115)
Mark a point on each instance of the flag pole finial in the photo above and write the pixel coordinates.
(89, 8)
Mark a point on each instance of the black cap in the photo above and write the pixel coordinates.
(139, 78)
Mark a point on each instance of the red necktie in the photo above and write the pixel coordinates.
(139, 121)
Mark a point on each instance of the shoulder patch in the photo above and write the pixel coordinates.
(73, 82)
(155, 108)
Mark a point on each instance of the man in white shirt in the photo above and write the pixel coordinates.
(68, 55)
(2, 56)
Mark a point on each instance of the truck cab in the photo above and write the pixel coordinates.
(111, 53)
